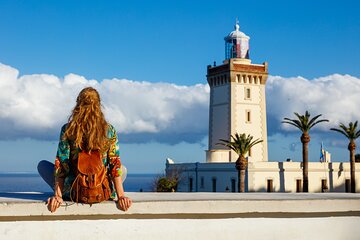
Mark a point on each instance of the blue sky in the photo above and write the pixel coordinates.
(166, 45)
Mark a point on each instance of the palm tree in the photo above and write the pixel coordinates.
(304, 124)
(241, 144)
(352, 134)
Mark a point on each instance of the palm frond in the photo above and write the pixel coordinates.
(291, 122)
(239, 143)
(340, 131)
(317, 122)
(303, 123)
(357, 134)
(349, 132)
(255, 142)
(298, 115)
(314, 119)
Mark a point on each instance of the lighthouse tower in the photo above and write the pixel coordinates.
(237, 100)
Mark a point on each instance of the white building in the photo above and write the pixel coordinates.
(238, 105)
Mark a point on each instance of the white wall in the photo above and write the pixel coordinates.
(254, 127)
(232, 228)
(282, 174)
(219, 116)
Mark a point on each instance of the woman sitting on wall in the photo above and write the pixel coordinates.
(87, 166)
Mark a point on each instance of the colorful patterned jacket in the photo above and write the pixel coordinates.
(66, 159)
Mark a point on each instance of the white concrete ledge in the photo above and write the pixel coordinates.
(174, 216)
(31, 206)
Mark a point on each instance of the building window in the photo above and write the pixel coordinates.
(214, 184)
(233, 185)
(298, 185)
(347, 185)
(324, 186)
(248, 116)
(270, 187)
(247, 93)
(191, 182)
(202, 184)
(238, 78)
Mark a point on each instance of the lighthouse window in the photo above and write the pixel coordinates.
(248, 116)
(247, 93)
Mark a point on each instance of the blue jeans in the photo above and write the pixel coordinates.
(46, 171)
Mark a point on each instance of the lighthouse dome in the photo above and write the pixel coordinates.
(237, 44)
(236, 33)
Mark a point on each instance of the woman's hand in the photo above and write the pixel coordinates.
(54, 203)
(124, 203)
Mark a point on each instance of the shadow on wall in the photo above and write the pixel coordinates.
(26, 196)
(340, 188)
(282, 177)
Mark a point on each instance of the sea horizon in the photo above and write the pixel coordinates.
(22, 181)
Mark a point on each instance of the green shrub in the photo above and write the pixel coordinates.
(165, 184)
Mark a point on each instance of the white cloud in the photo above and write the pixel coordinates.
(336, 97)
(37, 105)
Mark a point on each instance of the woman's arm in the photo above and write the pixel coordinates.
(55, 201)
(123, 201)
(60, 171)
(116, 171)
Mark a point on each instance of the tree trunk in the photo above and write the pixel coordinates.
(241, 164)
(242, 182)
(239, 180)
(352, 147)
(305, 139)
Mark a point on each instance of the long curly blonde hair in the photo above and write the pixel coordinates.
(87, 126)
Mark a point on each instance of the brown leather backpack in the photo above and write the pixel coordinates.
(91, 184)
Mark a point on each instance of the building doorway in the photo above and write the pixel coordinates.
(324, 187)
(298, 185)
(214, 184)
(270, 187)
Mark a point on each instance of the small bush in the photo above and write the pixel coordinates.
(165, 184)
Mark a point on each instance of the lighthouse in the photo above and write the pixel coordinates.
(237, 100)
(238, 105)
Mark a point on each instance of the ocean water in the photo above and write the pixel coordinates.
(32, 182)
